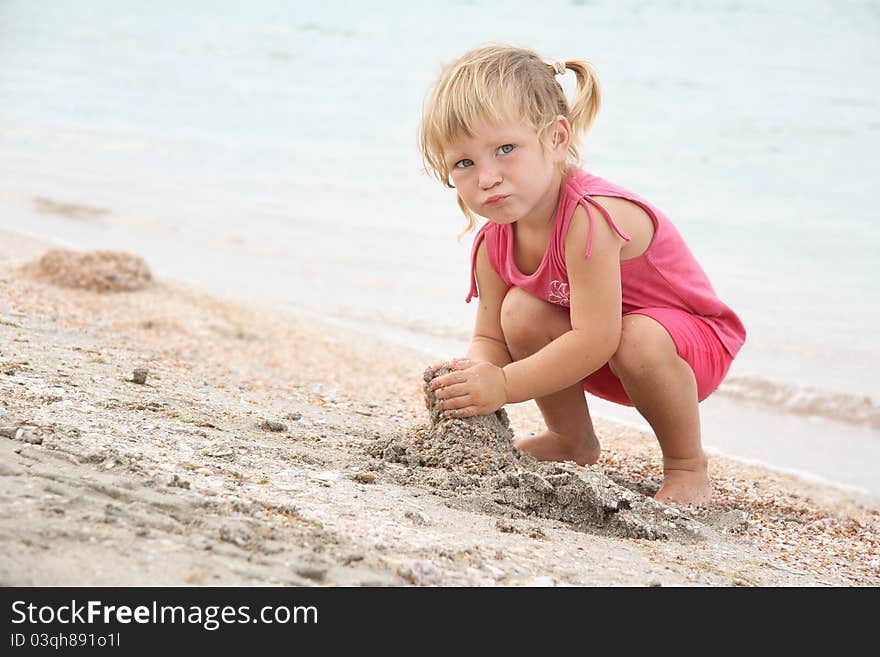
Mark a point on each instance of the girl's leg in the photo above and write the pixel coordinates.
(663, 388)
(529, 324)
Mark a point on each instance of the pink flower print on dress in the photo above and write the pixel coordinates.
(559, 294)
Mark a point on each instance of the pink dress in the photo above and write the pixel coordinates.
(665, 283)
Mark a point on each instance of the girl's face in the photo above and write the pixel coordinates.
(504, 174)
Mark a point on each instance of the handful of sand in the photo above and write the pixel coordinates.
(99, 271)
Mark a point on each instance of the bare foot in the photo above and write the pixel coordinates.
(552, 446)
(685, 484)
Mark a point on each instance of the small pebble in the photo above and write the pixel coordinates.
(537, 533)
(504, 525)
(352, 557)
(139, 376)
(418, 517)
(177, 482)
(293, 416)
(26, 436)
(312, 572)
(422, 567)
(271, 425)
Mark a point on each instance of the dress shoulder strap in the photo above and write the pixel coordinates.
(586, 201)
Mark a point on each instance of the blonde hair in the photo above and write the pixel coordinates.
(495, 83)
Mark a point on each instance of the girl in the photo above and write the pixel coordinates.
(582, 284)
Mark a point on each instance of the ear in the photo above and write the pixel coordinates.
(561, 139)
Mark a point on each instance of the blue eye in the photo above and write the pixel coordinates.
(464, 164)
(506, 149)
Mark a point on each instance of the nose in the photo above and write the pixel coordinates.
(489, 176)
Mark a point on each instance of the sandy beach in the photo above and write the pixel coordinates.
(245, 458)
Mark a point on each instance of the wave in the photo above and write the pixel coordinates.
(851, 409)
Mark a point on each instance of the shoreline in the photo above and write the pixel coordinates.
(127, 473)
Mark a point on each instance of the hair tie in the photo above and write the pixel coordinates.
(558, 67)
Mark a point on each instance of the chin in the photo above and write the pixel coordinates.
(506, 217)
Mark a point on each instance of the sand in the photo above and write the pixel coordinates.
(259, 448)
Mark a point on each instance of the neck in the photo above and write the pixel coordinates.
(543, 215)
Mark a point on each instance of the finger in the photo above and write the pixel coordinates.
(461, 364)
(448, 392)
(462, 413)
(447, 380)
(455, 403)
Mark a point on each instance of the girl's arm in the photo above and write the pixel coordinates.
(487, 343)
(595, 316)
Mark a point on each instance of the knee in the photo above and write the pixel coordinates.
(529, 323)
(644, 347)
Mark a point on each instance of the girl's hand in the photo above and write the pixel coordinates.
(473, 389)
(452, 364)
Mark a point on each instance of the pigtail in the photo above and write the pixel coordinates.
(587, 99)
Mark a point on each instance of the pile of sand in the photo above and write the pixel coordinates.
(476, 456)
(480, 445)
(99, 271)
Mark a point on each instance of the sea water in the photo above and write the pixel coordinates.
(268, 150)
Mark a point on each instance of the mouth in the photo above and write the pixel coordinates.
(494, 200)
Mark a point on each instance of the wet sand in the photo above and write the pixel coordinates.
(249, 456)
